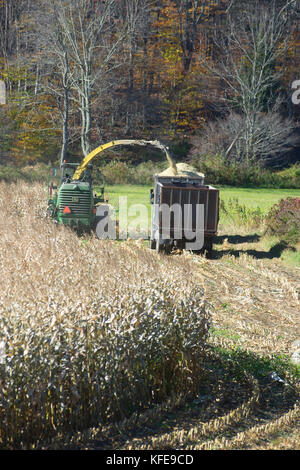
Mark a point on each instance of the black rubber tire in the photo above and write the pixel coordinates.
(207, 248)
(168, 248)
(152, 244)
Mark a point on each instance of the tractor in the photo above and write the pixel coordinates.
(74, 202)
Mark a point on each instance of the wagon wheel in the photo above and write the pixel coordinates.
(209, 248)
(152, 244)
(168, 248)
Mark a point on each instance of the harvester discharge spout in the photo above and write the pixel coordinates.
(154, 143)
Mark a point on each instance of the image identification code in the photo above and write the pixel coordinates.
(153, 459)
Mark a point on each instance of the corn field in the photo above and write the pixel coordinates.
(89, 331)
(105, 342)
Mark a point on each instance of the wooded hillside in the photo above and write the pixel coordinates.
(217, 74)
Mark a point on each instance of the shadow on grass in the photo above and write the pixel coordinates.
(236, 239)
(274, 252)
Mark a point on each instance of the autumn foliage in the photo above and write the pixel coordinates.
(158, 82)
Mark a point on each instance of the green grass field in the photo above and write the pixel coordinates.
(135, 194)
(262, 198)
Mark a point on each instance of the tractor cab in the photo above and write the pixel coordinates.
(68, 170)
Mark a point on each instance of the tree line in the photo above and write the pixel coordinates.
(215, 74)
